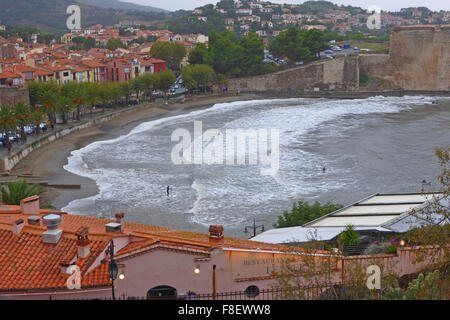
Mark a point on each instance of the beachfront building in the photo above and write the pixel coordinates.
(98, 69)
(42, 248)
(375, 217)
(119, 70)
(48, 254)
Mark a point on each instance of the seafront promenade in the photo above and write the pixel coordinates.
(20, 149)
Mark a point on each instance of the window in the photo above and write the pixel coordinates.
(252, 291)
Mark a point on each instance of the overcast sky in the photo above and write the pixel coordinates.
(388, 5)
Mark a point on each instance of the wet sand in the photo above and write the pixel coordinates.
(46, 163)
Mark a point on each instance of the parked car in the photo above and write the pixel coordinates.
(299, 63)
(328, 52)
(355, 48)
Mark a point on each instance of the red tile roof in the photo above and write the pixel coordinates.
(92, 63)
(41, 72)
(7, 74)
(27, 263)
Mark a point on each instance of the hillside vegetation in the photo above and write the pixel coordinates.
(50, 15)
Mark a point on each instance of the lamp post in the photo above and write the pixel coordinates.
(113, 268)
(254, 228)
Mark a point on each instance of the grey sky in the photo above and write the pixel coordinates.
(388, 5)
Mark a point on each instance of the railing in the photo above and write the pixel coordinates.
(302, 293)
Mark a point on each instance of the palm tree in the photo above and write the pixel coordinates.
(7, 123)
(18, 190)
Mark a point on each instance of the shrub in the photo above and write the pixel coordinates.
(350, 237)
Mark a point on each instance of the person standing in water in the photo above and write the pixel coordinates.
(168, 191)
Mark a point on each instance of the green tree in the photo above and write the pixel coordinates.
(189, 83)
(78, 40)
(19, 190)
(202, 74)
(151, 82)
(349, 237)
(302, 212)
(76, 93)
(126, 90)
(114, 44)
(22, 116)
(253, 54)
(172, 53)
(64, 105)
(89, 43)
(199, 55)
(298, 44)
(167, 78)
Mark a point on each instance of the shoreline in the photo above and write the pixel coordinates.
(47, 162)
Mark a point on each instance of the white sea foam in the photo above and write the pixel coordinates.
(134, 169)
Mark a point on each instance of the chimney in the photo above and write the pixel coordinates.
(216, 233)
(113, 227)
(30, 205)
(34, 220)
(83, 242)
(120, 218)
(18, 226)
(53, 234)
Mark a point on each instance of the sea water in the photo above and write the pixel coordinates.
(367, 146)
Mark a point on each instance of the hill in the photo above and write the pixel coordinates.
(50, 15)
(321, 7)
(114, 4)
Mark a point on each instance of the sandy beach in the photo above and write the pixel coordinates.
(46, 163)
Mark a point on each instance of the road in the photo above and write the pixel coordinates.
(343, 52)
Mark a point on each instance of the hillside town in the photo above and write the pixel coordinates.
(21, 61)
(268, 19)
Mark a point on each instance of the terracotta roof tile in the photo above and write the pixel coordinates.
(28, 263)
